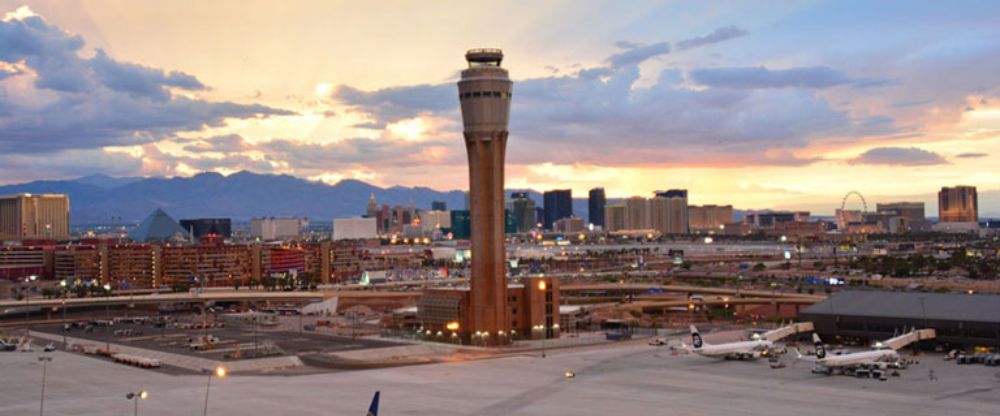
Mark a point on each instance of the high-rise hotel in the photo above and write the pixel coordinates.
(34, 217)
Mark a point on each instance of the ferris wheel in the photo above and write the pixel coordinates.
(864, 204)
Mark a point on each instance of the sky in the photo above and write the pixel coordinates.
(786, 105)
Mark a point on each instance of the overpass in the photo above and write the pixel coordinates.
(19, 306)
(655, 305)
(637, 288)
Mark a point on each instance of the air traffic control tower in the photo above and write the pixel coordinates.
(485, 93)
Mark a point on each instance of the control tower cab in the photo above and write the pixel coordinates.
(485, 93)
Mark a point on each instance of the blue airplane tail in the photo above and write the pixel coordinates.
(373, 408)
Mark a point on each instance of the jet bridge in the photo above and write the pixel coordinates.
(787, 331)
(907, 339)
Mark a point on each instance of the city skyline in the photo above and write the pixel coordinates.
(726, 104)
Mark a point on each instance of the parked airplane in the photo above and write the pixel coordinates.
(883, 356)
(373, 408)
(760, 346)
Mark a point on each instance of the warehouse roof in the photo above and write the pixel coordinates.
(937, 306)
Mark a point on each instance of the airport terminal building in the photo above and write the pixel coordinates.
(961, 320)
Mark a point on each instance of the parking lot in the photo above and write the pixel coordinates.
(186, 334)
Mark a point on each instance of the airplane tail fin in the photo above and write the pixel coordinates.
(696, 340)
(820, 349)
(373, 408)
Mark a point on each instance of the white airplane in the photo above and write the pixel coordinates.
(883, 356)
(760, 346)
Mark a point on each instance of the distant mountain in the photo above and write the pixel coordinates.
(97, 199)
(107, 182)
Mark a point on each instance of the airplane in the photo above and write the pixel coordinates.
(883, 356)
(760, 346)
(373, 408)
(7, 346)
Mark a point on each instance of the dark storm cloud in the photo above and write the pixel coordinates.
(86, 103)
(899, 156)
(718, 35)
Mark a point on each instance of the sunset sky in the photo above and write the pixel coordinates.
(772, 105)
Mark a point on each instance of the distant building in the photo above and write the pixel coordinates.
(709, 217)
(439, 206)
(900, 217)
(371, 210)
(523, 208)
(558, 204)
(461, 224)
(509, 222)
(668, 212)
(271, 228)
(356, 228)
(958, 204)
(847, 217)
(637, 215)
(159, 227)
(569, 225)
(960, 319)
(435, 219)
(672, 193)
(532, 312)
(596, 201)
(614, 217)
(34, 217)
(203, 227)
(768, 219)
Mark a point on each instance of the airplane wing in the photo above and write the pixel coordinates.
(373, 408)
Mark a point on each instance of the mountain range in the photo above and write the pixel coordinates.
(101, 199)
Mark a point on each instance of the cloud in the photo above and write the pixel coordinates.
(659, 124)
(61, 100)
(139, 80)
(899, 156)
(637, 54)
(761, 77)
(230, 143)
(718, 35)
(971, 155)
(397, 103)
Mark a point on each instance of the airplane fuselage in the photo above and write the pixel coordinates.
(859, 359)
(743, 349)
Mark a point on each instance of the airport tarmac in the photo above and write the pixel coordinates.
(623, 379)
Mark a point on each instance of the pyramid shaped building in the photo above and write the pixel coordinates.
(158, 227)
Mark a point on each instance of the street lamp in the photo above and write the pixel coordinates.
(219, 372)
(135, 397)
(27, 309)
(62, 284)
(41, 403)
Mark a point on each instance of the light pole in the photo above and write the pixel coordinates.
(135, 397)
(219, 372)
(107, 314)
(62, 284)
(27, 309)
(45, 361)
